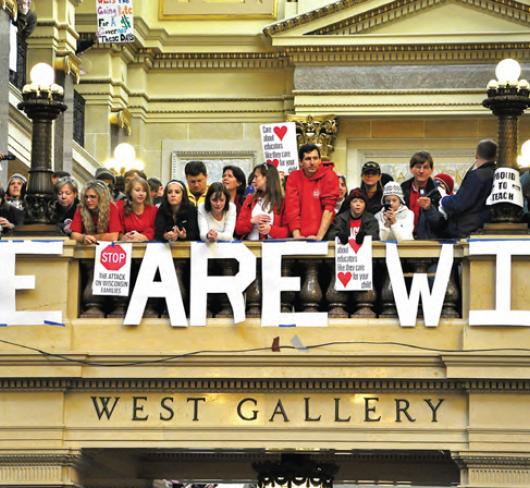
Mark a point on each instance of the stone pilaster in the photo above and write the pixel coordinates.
(493, 470)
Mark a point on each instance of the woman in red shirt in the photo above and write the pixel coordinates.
(96, 218)
(261, 215)
(137, 214)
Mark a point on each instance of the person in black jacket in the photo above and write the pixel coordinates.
(355, 221)
(372, 186)
(10, 216)
(466, 209)
(66, 192)
(176, 218)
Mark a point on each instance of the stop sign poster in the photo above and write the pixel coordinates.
(112, 269)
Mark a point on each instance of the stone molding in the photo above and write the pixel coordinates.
(518, 11)
(240, 385)
(70, 64)
(398, 9)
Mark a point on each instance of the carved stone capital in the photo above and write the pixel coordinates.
(319, 129)
(70, 64)
(493, 469)
(11, 7)
(123, 119)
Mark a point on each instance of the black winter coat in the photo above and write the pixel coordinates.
(187, 219)
(341, 228)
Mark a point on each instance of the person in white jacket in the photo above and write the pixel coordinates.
(217, 215)
(396, 221)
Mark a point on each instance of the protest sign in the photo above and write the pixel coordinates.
(353, 265)
(115, 21)
(112, 269)
(279, 145)
(506, 187)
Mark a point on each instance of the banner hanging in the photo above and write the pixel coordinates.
(112, 269)
(353, 265)
(115, 21)
(506, 188)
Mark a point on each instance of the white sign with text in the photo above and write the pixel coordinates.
(506, 188)
(353, 265)
(279, 145)
(112, 269)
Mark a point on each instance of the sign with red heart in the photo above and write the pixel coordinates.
(279, 145)
(353, 265)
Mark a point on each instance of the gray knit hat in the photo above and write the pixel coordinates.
(393, 188)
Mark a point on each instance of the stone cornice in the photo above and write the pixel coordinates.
(398, 9)
(265, 385)
(515, 10)
(233, 60)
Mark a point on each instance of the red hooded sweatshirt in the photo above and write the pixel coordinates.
(307, 198)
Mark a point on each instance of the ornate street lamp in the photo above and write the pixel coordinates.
(42, 102)
(124, 160)
(508, 98)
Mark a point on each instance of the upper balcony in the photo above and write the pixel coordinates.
(360, 334)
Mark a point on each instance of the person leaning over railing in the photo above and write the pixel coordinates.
(10, 216)
(96, 218)
(67, 192)
(396, 221)
(355, 222)
(137, 212)
(217, 215)
(262, 213)
(176, 218)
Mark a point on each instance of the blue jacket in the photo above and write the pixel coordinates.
(467, 210)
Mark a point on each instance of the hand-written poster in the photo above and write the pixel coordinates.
(112, 269)
(279, 145)
(353, 265)
(115, 21)
(506, 187)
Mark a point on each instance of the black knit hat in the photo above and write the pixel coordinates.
(356, 193)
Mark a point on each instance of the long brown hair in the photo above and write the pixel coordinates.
(128, 205)
(273, 194)
(103, 210)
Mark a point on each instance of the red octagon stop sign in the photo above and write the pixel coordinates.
(113, 257)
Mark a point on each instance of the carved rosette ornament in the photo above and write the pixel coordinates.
(319, 129)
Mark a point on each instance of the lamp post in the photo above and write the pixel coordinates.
(508, 98)
(42, 102)
(124, 160)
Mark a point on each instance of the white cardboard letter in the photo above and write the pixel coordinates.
(10, 282)
(407, 306)
(233, 286)
(274, 283)
(503, 313)
(157, 257)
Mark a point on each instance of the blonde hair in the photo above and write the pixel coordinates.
(103, 210)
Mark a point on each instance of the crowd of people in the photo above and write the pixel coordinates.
(311, 202)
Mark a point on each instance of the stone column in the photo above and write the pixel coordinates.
(67, 75)
(7, 12)
(494, 469)
(58, 468)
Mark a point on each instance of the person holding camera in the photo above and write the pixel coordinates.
(396, 221)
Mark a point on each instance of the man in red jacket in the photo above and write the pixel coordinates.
(310, 197)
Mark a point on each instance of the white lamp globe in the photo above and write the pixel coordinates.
(525, 149)
(42, 74)
(508, 71)
(124, 154)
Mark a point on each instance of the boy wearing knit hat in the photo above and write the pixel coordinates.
(354, 222)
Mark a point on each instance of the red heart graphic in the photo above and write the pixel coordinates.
(280, 131)
(274, 162)
(354, 245)
(344, 278)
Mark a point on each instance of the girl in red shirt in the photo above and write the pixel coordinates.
(137, 215)
(96, 218)
(261, 215)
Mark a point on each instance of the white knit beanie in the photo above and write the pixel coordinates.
(393, 188)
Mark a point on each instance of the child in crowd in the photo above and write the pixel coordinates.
(96, 218)
(354, 222)
(261, 215)
(137, 214)
(396, 221)
(217, 215)
(16, 191)
(176, 219)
